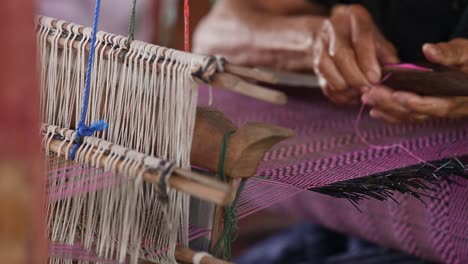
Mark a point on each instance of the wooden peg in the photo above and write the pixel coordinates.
(246, 148)
(247, 145)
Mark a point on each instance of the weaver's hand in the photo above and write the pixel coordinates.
(395, 107)
(272, 33)
(289, 35)
(348, 53)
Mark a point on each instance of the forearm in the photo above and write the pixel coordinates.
(249, 31)
(290, 7)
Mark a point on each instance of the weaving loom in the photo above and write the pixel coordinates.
(335, 186)
(125, 155)
(114, 200)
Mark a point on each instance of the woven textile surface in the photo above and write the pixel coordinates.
(326, 150)
(437, 232)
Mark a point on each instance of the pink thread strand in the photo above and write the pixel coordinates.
(363, 139)
(409, 66)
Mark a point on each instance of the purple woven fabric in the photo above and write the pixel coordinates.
(326, 150)
(438, 232)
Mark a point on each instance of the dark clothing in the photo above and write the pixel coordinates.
(408, 24)
(311, 244)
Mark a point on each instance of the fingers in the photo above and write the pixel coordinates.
(352, 49)
(378, 114)
(432, 106)
(358, 46)
(344, 54)
(347, 64)
(451, 53)
(386, 107)
(397, 107)
(332, 83)
(386, 52)
(390, 118)
(327, 69)
(363, 42)
(439, 53)
(370, 46)
(382, 98)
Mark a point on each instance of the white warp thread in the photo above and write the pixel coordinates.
(147, 96)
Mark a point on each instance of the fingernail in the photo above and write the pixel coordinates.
(366, 99)
(373, 77)
(431, 50)
(322, 82)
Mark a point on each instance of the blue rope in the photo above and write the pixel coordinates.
(83, 130)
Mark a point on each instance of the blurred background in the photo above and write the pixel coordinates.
(158, 21)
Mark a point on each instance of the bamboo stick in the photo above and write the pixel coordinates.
(254, 74)
(195, 184)
(235, 84)
(275, 77)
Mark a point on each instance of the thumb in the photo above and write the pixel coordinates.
(450, 53)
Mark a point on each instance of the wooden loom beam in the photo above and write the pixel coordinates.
(192, 183)
(224, 80)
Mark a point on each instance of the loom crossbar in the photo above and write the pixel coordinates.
(222, 80)
(193, 183)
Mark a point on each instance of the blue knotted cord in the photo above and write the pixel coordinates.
(83, 130)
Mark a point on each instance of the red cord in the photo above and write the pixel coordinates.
(187, 25)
